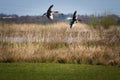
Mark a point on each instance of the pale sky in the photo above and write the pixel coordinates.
(38, 7)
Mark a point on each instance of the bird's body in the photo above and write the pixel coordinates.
(50, 13)
(72, 24)
(74, 19)
(50, 16)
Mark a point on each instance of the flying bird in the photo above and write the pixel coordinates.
(74, 19)
(50, 13)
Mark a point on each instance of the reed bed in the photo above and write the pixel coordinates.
(60, 44)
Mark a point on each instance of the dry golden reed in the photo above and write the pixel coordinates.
(58, 43)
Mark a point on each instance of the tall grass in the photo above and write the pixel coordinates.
(58, 43)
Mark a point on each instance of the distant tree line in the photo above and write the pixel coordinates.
(25, 19)
(104, 20)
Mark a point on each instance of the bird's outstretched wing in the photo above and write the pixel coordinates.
(74, 13)
(55, 12)
(75, 16)
(49, 9)
(44, 14)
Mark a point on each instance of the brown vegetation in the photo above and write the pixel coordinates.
(58, 43)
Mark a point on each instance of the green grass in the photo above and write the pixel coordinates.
(54, 71)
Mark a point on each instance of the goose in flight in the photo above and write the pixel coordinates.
(50, 13)
(74, 19)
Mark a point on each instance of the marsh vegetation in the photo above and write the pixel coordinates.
(60, 44)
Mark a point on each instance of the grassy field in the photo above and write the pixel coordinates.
(53, 71)
(56, 42)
